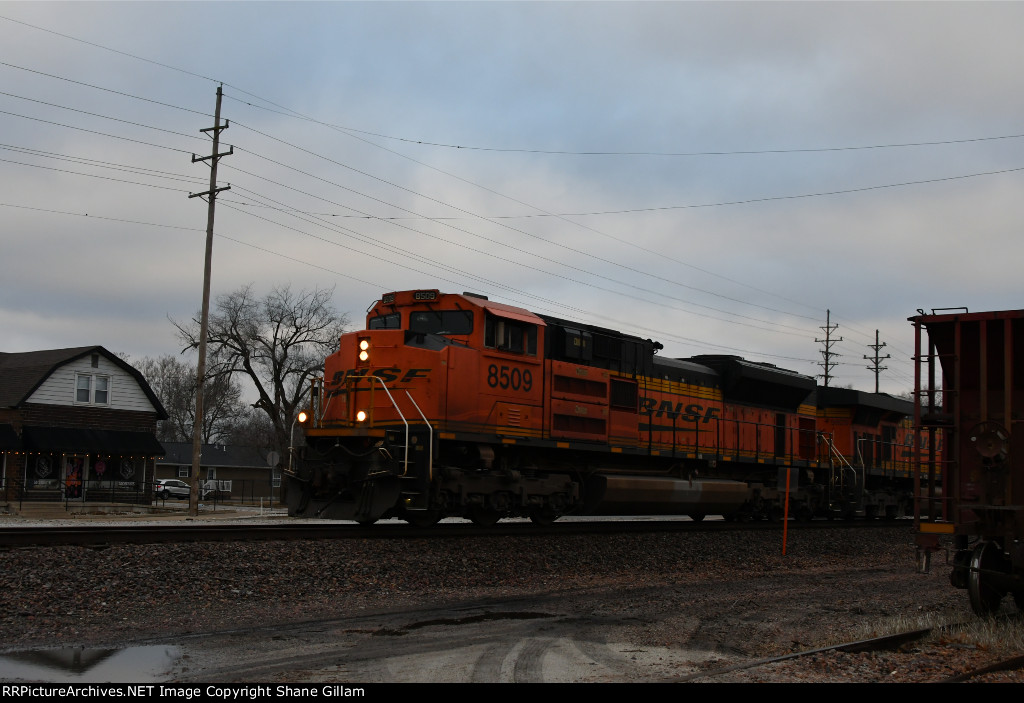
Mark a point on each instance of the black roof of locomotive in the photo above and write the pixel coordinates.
(869, 408)
(757, 382)
(685, 371)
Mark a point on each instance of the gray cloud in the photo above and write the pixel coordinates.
(695, 268)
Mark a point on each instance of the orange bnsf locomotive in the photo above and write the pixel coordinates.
(457, 406)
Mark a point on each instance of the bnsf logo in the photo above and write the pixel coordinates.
(691, 413)
(389, 375)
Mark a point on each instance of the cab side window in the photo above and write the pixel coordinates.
(510, 335)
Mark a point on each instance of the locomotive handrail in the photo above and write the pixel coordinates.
(430, 444)
(731, 428)
(401, 416)
(832, 447)
(860, 453)
(324, 406)
(889, 462)
(844, 465)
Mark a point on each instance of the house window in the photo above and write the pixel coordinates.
(102, 393)
(184, 471)
(92, 389)
(83, 389)
(275, 478)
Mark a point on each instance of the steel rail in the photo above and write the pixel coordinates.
(152, 533)
(873, 644)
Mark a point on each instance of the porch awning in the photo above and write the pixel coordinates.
(88, 441)
(9, 439)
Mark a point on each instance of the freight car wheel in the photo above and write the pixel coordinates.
(984, 595)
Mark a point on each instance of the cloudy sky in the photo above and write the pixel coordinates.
(715, 176)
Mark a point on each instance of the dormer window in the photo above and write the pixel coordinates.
(92, 389)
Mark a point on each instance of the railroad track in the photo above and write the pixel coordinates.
(873, 644)
(96, 534)
(882, 643)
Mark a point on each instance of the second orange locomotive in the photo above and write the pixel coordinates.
(455, 405)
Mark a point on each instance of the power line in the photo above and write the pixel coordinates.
(567, 152)
(99, 87)
(502, 243)
(579, 214)
(621, 153)
(140, 170)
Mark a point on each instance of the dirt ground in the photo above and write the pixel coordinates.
(622, 608)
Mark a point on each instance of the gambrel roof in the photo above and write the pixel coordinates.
(21, 373)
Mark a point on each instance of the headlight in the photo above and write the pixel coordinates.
(364, 349)
(303, 417)
(361, 416)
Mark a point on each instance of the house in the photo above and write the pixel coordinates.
(76, 424)
(238, 473)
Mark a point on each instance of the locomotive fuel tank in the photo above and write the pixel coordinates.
(648, 495)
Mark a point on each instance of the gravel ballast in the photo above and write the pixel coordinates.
(734, 593)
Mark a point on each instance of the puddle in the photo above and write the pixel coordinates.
(144, 664)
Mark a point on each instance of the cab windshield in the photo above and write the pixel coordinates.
(441, 321)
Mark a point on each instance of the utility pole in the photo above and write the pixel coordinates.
(876, 359)
(827, 352)
(197, 428)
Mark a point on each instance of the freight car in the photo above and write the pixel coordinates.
(453, 405)
(969, 386)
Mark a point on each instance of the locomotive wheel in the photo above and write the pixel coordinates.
(483, 517)
(802, 513)
(984, 595)
(543, 518)
(422, 518)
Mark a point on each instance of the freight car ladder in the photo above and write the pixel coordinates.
(936, 406)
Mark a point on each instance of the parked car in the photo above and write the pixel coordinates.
(171, 488)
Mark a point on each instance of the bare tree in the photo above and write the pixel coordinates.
(278, 342)
(174, 382)
(254, 429)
